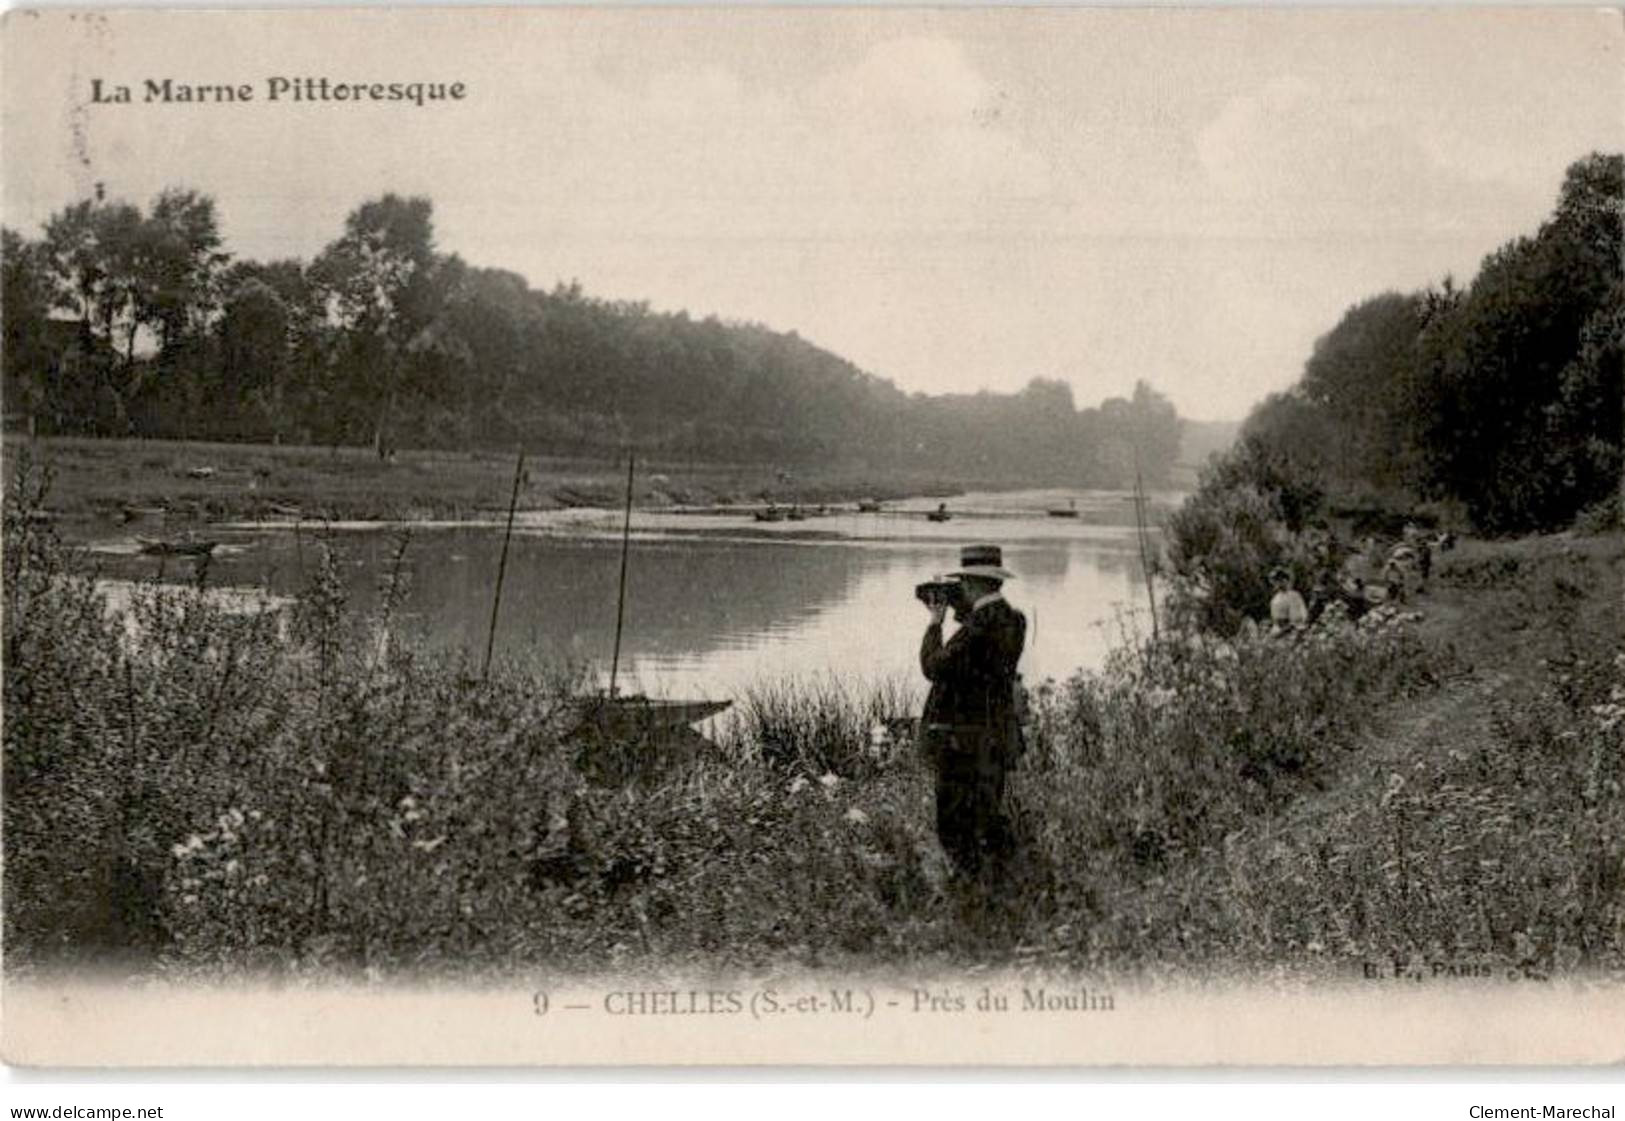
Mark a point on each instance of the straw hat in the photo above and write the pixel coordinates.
(986, 561)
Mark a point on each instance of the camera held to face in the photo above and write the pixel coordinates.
(946, 591)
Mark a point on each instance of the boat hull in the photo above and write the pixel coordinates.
(641, 717)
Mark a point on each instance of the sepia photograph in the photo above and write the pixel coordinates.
(813, 535)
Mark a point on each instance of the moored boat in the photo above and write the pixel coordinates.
(617, 731)
(640, 718)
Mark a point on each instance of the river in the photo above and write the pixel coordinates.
(718, 603)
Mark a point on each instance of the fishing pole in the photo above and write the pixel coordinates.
(502, 567)
(620, 605)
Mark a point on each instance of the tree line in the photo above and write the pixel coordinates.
(1501, 399)
(123, 321)
(1497, 406)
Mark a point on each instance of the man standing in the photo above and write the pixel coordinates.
(970, 725)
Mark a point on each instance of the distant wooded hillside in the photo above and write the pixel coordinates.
(126, 321)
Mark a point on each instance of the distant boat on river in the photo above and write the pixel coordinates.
(1070, 510)
(181, 547)
(940, 514)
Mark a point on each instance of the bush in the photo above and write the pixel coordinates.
(1253, 511)
(198, 791)
(1605, 516)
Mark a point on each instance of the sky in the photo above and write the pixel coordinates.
(953, 199)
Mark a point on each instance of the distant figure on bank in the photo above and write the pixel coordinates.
(1422, 546)
(970, 727)
(1288, 612)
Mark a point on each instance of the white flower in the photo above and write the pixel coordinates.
(830, 780)
(798, 784)
(856, 816)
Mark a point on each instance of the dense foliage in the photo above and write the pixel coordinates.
(198, 789)
(122, 322)
(1504, 398)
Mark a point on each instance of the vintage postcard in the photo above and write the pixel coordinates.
(813, 536)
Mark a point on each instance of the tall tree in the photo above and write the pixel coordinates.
(1362, 375)
(25, 303)
(94, 256)
(254, 354)
(1496, 363)
(376, 283)
(182, 259)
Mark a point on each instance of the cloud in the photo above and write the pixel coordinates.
(897, 142)
(912, 78)
(1312, 162)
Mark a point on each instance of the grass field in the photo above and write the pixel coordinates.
(212, 794)
(95, 477)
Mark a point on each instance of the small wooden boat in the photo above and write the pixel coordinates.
(616, 732)
(157, 547)
(639, 718)
(869, 506)
(940, 514)
(771, 514)
(1070, 510)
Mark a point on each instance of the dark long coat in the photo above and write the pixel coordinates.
(973, 674)
(972, 735)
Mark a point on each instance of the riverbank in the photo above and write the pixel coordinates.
(1474, 831)
(201, 482)
(216, 794)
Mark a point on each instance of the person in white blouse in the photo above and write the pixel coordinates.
(1288, 612)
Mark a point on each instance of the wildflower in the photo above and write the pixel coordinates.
(798, 784)
(830, 780)
(231, 867)
(856, 816)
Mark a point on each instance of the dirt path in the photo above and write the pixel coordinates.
(1493, 616)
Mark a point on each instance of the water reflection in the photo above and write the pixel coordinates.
(714, 606)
